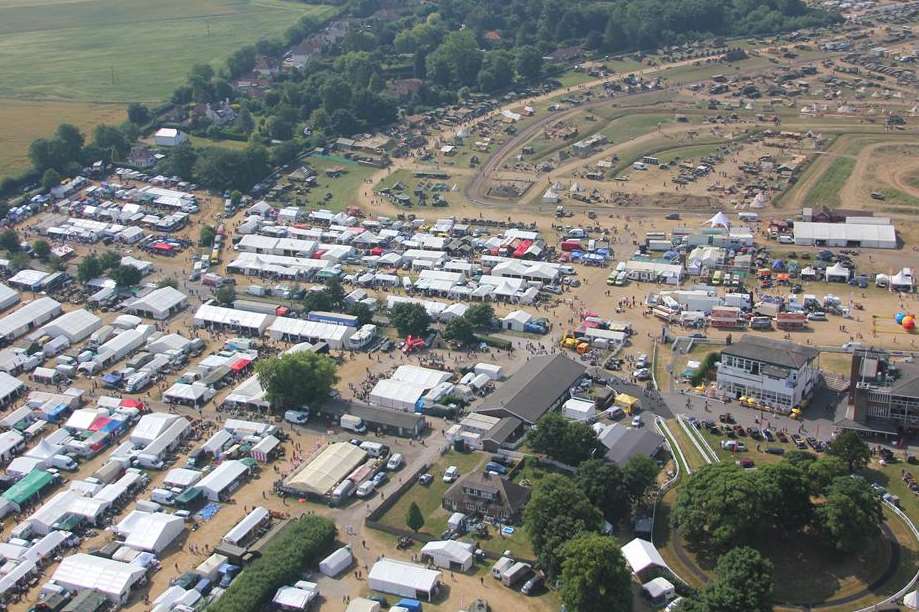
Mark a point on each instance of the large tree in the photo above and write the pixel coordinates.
(557, 512)
(414, 519)
(604, 485)
(89, 268)
(410, 319)
(296, 379)
(594, 577)
(570, 442)
(851, 513)
(785, 489)
(640, 473)
(851, 449)
(126, 276)
(743, 581)
(718, 507)
(822, 472)
(460, 330)
(9, 240)
(480, 315)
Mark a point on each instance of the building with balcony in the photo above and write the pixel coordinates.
(778, 374)
(883, 395)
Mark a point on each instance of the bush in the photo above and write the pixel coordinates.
(301, 544)
(707, 364)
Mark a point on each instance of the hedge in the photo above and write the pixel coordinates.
(301, 544)
(495, 342)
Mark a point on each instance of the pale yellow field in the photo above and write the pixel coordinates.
(22, 121)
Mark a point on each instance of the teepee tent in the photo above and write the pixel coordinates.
(720, 219)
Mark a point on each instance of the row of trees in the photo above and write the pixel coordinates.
(723, 506)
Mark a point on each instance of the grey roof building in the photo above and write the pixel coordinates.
(542, 384)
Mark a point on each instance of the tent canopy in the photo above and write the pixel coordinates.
(719, 220)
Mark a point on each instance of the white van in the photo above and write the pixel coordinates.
(297, 417)
(352, 423)
(63, 462)
(163, 496)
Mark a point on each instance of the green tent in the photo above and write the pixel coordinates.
(250, 463)
(189, 497)
(31, 485)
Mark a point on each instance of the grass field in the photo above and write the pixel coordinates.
(21, 122)
(428, 499)
(826, 190)
(344, 189)
(69, 49)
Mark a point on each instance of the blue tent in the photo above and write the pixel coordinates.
(778, 265)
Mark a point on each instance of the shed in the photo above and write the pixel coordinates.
(244, 528)
(579, 410)
(449, 554)
(150, 531)
(403, 579)
(159, 304)
(642, 557)
(337, 562)
(223, 480)
(659, 590)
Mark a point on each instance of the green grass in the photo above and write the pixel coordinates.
(344, 189)
(630, 127)
(70, 49)
(410, 182)
(573, 78)
(200, 141)
(693, 152)
(429, 498)
(826, 190)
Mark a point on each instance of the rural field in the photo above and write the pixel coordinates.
(23, 121)
(69, 50)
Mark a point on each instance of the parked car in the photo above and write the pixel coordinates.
(425, 479)
(642, 374)
(451, 473)
(636, 420)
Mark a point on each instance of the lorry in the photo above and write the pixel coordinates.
(352, 423)
(335, 318)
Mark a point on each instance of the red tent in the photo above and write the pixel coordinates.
(99, 423)
(376, 251)
(240, 364)
(161, 246)
(132, 403)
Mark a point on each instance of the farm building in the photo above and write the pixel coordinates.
(392, 422)
(28, 317)
(403, 579)
(488, 495)
(223, 480)
(539, 386)
(321, 475)
(159, 304)
(29, 280)
(853, 235)
(239, 321)
(169, 137)
(114, 579)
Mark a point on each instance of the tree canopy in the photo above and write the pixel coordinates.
(594, 576)
(743, 581)
(570, 442)
(557, 512)
(851, 449)
(850, 514)
(293, 380)
(410, 319)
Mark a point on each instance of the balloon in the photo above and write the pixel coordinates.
(909, 323)
(900, 316)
